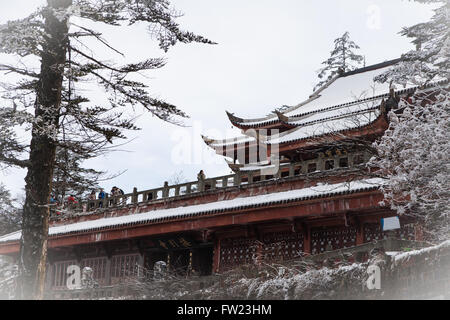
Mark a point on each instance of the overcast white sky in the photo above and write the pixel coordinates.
(267, 56)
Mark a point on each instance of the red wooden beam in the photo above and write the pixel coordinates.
(315, 208)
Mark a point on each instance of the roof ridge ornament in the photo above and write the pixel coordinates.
(207, 140)
(281, 116)
(233, 118)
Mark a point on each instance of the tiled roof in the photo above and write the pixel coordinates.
(161, 215)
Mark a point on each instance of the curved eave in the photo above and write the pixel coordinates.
(274, 121)
(223, 147)
(238, 167)
(269, 123)
(260, 123)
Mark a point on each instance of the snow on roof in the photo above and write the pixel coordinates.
(328, 126)
(229, 142)
(208, 208)
(349, 93)
(345, 89)
(343, 118)
(256, 167)
(339, 111)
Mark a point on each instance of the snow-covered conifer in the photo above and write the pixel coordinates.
(49, 100)
(414, 154)
(342, 59)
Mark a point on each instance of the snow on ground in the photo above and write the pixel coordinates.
(402, 257)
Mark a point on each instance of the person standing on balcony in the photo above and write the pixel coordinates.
(71, 201)
(201, 181)
(101, 196)
(201, 176)
(92, 197)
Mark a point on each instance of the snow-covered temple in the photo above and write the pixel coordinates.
(299, 187)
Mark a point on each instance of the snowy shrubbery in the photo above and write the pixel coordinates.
(8, 275)
(414, 154)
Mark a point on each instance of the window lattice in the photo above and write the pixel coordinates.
(59, 275)
(332, 239)
(282, 246)
(123, 266)
(98, 265)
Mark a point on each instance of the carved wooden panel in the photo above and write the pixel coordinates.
(123, 267)
(406, 232)
(332, 239)
(281, 246)
(237, 251)
(373, 232)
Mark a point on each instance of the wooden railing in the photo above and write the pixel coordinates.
(240, 178)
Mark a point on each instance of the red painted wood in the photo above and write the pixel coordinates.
(316, 208)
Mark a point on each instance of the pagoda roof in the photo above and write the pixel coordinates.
(331, 121)
(331, 125)
(348, 101)
(341, 90)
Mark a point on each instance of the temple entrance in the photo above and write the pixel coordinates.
(202, 261)
(180, 262)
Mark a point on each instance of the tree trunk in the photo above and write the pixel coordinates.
(33, 244)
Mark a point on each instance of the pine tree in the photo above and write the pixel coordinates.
(414, 154)
(431, 59)
(342, 59)
(48, 103)
(9, 213)
(70, 177)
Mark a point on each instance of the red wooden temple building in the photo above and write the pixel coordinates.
(302, 191)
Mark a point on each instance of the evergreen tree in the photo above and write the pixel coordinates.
(343, 59)
(431, 59)
(9, 213)
(48, 102)
(70, 177)
(414, 154)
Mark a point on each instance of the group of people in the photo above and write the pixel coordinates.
(115, 191)
(56, 202)
(71, 200)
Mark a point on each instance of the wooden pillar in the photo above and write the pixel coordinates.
(140, 263)
(359, 232)
(291, 170)
(108, 271)
(216, 257)
(259, 252)
(306, 239)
